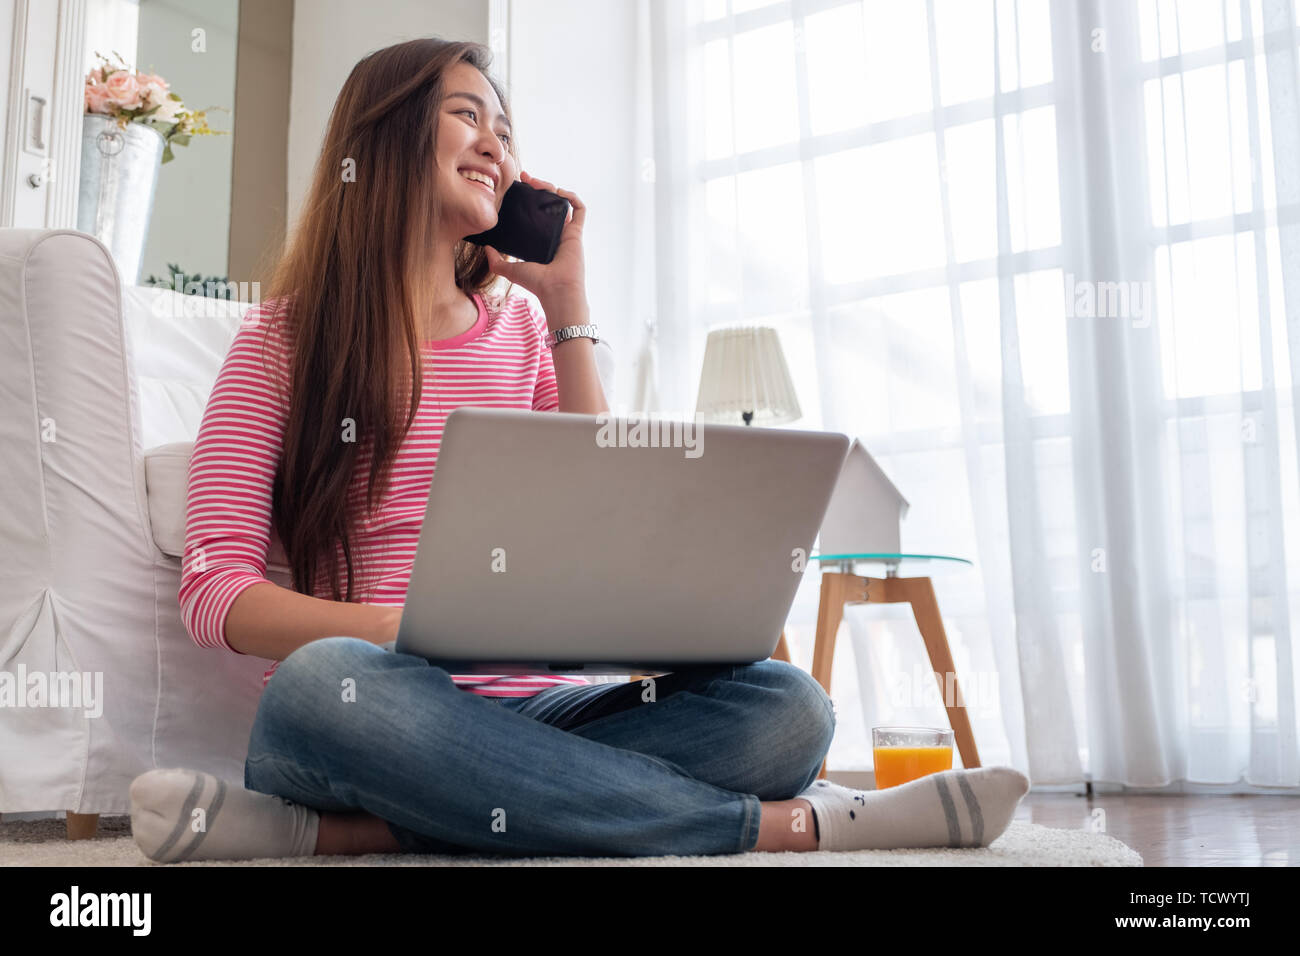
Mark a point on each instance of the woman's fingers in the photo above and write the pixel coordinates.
(577, 209)
(541, 184)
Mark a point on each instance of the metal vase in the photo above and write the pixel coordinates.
(119, 175)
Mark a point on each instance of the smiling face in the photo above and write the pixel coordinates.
(473, 135)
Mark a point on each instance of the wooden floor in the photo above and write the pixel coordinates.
(1183, 830)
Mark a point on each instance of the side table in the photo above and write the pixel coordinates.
(840, 587)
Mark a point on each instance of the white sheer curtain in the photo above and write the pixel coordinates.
(1042, 258)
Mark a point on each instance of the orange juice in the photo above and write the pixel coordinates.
(895, 765)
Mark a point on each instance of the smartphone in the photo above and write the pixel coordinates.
(529, 224)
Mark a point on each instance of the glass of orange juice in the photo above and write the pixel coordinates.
(905, 753)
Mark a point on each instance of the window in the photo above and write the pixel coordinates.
(848, 150)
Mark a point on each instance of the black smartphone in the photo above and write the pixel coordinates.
(529, 224)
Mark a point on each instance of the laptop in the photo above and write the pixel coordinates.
(556, 542)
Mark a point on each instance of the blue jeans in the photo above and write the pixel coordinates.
(590, 770)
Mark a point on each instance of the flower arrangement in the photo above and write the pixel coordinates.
(113, 90)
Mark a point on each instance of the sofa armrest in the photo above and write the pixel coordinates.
(83, 587)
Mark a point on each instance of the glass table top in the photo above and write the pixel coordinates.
(921, 565)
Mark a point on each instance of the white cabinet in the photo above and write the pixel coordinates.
(41, 104)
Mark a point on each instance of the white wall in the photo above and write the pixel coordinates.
(330, 36)
(572, 91)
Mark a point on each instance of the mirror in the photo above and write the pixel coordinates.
(192, 45)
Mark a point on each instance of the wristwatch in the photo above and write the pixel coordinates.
(572, 332)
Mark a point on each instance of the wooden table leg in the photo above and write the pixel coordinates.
(835, 591)
(82, 826)
(919, 593)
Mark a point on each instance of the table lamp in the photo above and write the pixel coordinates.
(745, 378)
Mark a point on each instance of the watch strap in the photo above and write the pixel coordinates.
(572, 332)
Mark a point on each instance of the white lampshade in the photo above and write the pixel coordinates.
(745, 371)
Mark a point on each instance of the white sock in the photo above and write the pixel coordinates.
(953, 808)
(235, 824)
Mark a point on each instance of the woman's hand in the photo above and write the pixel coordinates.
(564, 277)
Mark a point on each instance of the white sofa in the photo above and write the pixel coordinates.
(102, 389)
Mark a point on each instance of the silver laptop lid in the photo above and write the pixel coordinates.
(559, 542)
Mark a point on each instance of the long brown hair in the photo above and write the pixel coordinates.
(354, 270)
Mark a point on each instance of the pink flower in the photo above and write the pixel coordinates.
(97, 99)
(123, 90)
(152, 94)
(153, 89)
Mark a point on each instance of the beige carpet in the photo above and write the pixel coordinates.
(43, 843)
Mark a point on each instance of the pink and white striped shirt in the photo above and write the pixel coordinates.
(501, 362)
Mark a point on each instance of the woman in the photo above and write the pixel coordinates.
(356, 748)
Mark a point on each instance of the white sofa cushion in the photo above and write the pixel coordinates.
(166, 475)
(177, 343)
